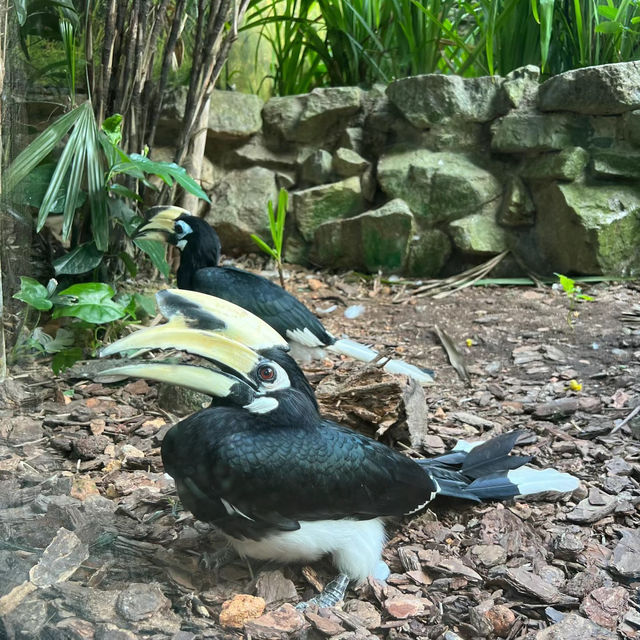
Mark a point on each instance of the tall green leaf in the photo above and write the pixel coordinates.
(40, 148)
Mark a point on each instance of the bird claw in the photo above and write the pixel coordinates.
(218, 559)
(332, 594)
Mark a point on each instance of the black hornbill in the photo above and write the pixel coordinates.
(200, 249)
(280, 481)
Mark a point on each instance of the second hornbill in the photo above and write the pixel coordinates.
(199, 270)
(278, 479)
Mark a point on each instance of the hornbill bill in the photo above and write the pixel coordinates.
(279, 480)
(200, 249)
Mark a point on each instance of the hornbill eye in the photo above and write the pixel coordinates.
(266, 373)
(181, 229)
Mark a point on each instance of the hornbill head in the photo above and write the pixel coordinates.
(253, 370)
(177, 226)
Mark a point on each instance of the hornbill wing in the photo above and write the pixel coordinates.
(277, 477)
(270, 302)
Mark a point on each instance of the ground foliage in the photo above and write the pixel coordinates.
(93, 539)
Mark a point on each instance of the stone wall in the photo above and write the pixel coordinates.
(434, 172)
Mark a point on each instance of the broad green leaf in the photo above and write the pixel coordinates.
(31, 190)
(63, 340)
(163, 169)
(112, 127)
(92, 312)
(91, 302)
(39, 149)
(122, 192)
(611, 13)
(122, 212)
(65, 359)
(82, 259)
(34, 294)
(146, 303)
(611, 28)
(94, 291)
(156, 251)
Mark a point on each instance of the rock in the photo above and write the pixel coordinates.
(113, 632)
(567, 164)
(370, 241)
(326, 626)
(239, 207)
(19, 429)
(60, 560)
(429, 99)
(631, 121)
(309, 117)
(234, 115)
(257, 152)
(521, 86)
(587, 512)
(606, 606)
(404, 606)
(626, 555)
(602, 222)
(347, 163)
(575, 627)
(73, 629)
(502, 620)
(365, 613)
(527, 132)
(90, 447)
(317, 167)
(437, 186)
(242, 608)
(603, 90)
(281, 623)
(567, 545)
(478, 234)
(531, 584)
(140, 601)
(427, 253)
(517, 208)
(272, 586)
(586, 581)
(317, 205)
(489, 555)
(448, 566)
(489, 619)
(617, 163)
(618, 467)
(27, 620)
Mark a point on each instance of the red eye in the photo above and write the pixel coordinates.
(266, 373)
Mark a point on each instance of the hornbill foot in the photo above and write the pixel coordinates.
(332, 593)
(218, 559)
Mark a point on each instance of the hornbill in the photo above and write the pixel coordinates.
(199, 270)
(279, 480)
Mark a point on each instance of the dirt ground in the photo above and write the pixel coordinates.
(94, 544)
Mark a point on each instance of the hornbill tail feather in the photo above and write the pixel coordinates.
(353, 349)
(486, 471)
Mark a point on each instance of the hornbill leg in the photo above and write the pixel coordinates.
(331, 594)
(218, 559)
